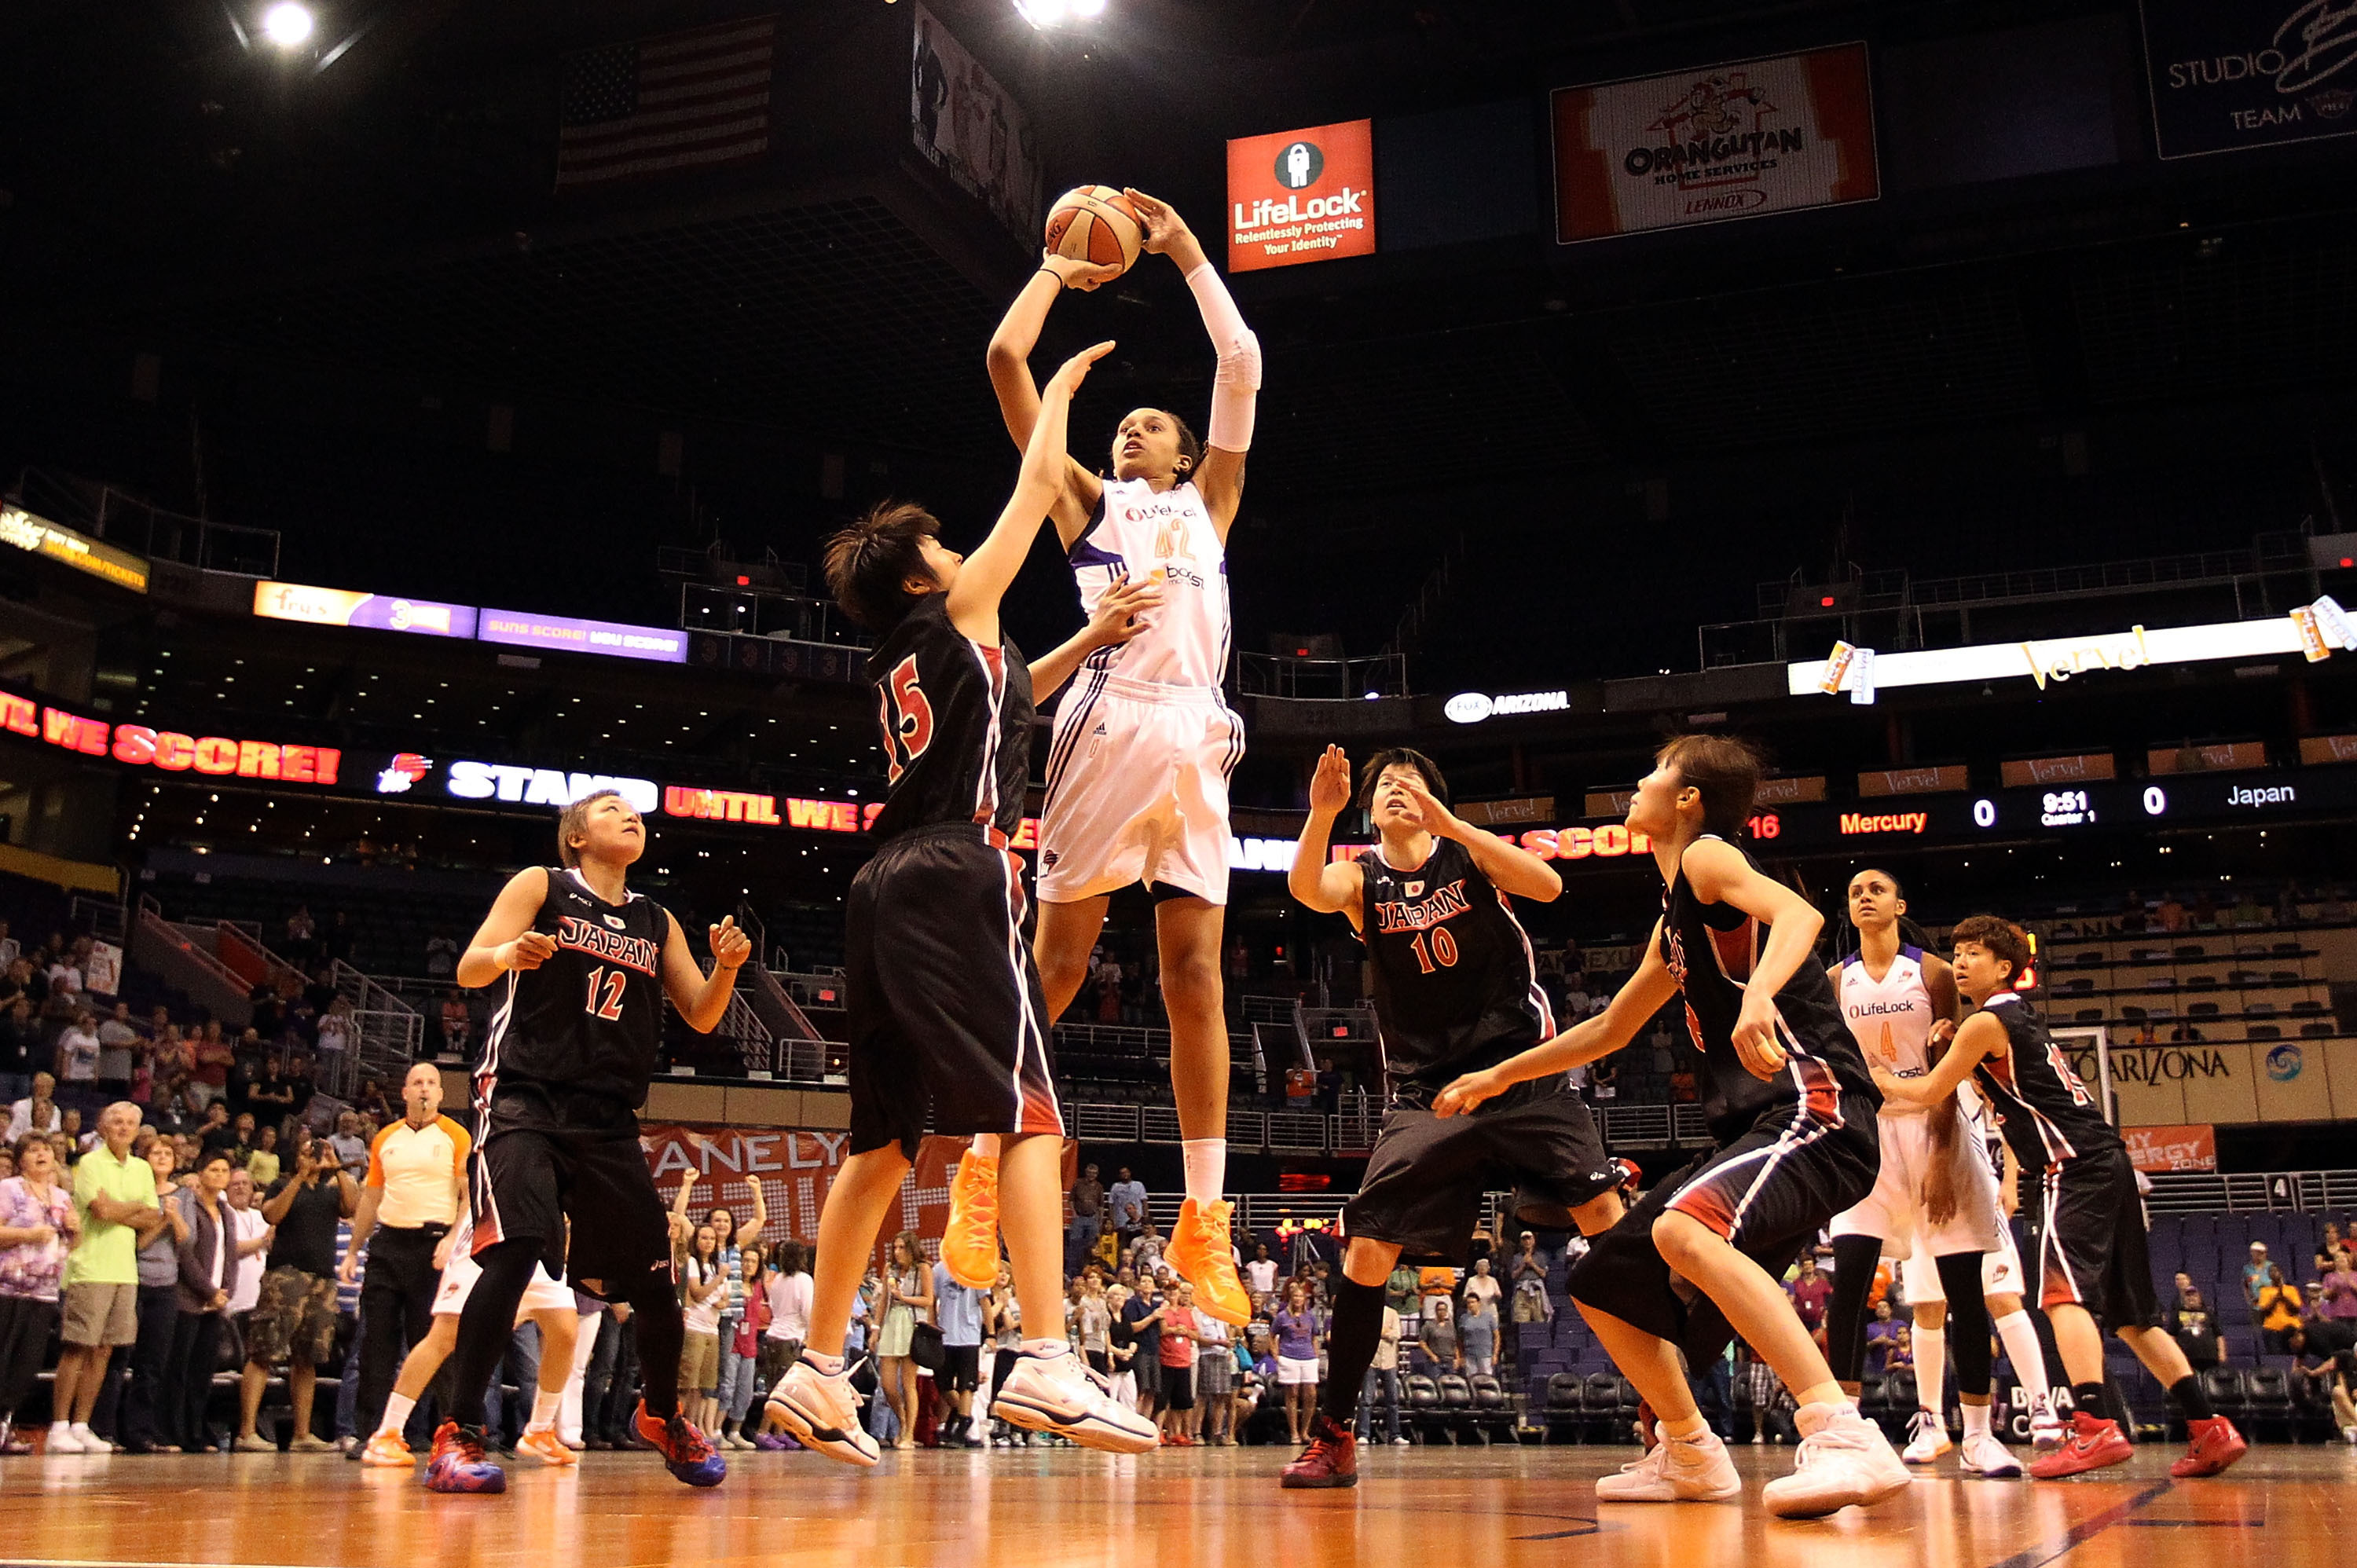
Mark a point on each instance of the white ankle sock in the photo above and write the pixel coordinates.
(830, 1365)
(986, 1145)
(398, 1408)
(1046, 1347)
(1207, 1168)
(2020, 1337)
(1932, 1368)
(1977, 1421)
(545, 1404)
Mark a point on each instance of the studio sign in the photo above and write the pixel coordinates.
(1472, 707)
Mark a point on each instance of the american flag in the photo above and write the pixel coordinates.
(665, 104)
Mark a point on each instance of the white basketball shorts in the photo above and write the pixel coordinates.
(542, 1294)
(1894, 1209)
(2000, 1272)
(1137, 789)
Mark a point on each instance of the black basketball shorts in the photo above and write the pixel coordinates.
(1769, 1192)
(945, 1009)
(1425, 1180)
(527, 1177)
(2092, 1247)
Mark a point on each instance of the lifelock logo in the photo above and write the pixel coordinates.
(1265, 212)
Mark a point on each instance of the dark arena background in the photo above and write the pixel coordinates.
(415, 416)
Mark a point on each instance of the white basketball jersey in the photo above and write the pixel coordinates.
(1891, 1017)
(1169, 536)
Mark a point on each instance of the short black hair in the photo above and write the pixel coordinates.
(868, 564)
(1372, 772)
(2002, 938)
(1725, 769)
(573, 820)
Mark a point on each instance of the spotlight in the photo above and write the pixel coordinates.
(1044, 13)
(286, 24)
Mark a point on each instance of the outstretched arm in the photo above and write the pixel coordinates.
(1122, 614)
(1719, 873)
(1018, 398)
(1647, 991)
(702, 998)
(1235, 386)
(1982, 1036)
(982, 582)
(1328, 889)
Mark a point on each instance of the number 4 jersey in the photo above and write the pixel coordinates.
(586, 1024)
(957, 725)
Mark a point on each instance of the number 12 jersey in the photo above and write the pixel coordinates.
(587, 1021)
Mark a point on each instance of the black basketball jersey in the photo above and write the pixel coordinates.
(957, 725)
(1456, 987)
(2048, 1116)
(1711, 949)
(586, 1022)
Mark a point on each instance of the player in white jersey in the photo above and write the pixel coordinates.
(1144, 744)
(1935, 1191)
(545, 1303)
(2001, 1287)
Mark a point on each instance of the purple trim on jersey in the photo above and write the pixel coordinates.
(1095, 518)
(1908, 950)
(1085, 553)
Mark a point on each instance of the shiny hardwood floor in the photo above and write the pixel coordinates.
(1423, 1508)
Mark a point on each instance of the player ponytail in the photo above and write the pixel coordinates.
(1724, 769)
(868, 564)
(575, 821)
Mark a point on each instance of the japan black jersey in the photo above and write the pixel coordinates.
(957, 725)
(1456, 987)
(587, 1022)
(1712, 950)
(2049, 1116)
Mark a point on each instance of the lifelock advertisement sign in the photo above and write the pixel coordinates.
(1301, 195)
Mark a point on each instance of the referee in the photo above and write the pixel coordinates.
(416, 1185)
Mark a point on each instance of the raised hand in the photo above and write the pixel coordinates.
(1074, 272)
(1164, 226)
(730, 947)
(1437, 818)
(1330, 787)
(1074, 370)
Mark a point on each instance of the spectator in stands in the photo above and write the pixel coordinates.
(1088, 1219)
(960, 1310)
(253, 1236)
(1146, 1251)
(1439, 1340)
(215, 1056)
(270, 1095)
(1477, 1333)
(1093, 1323)
(1382, 1380)
(207, 1260)
(1880, 1335)
(909, 1300)
(302, 934)
(2278, 1302)
(1215, 1382)
(738, 1384)
(351, 1148)
(2336, 1292)
(441, 957)
(214, 1128)
(134, 1401)
(1127, 1211)
(10, 948)
(18, 1038)
(2331, 1367)
(38, 1228)
(1810, 1290)
(789, 1291)
(36, 1109)
(2255, 1274)
(64, 974)
(77, 1063)
(1180, 1329)
(294, 1319)
(1260, 1272)
(2195, 1328)
(455, 1025)
(1527, 1273)
(115, 1209)
(371, 1103)
(335, 1028)
(1142, 1318)
(116, 1036)
(269, 1018)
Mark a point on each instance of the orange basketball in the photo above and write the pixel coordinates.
(1095, 223)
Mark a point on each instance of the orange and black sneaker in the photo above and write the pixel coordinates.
(2092, 1444)
(970, 1244)
(458, 1463)
(2215, 1444)
(1331, 1460)
(686, 1452)
(1202, 1254)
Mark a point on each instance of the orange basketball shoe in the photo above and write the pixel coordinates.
(970, 1244)
(543, 1443)
(1204, 1256)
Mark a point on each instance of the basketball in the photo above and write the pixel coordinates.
(1095, 223)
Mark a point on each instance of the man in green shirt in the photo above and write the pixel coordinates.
(114, 1197)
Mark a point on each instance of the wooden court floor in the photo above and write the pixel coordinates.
(1423, 1507)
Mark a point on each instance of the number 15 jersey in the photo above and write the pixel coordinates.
(957, 717)
(587, 1023)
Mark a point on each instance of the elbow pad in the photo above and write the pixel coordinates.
(1236, 394)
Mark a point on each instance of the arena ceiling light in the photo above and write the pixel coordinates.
(287, 25)
(1049, 13)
